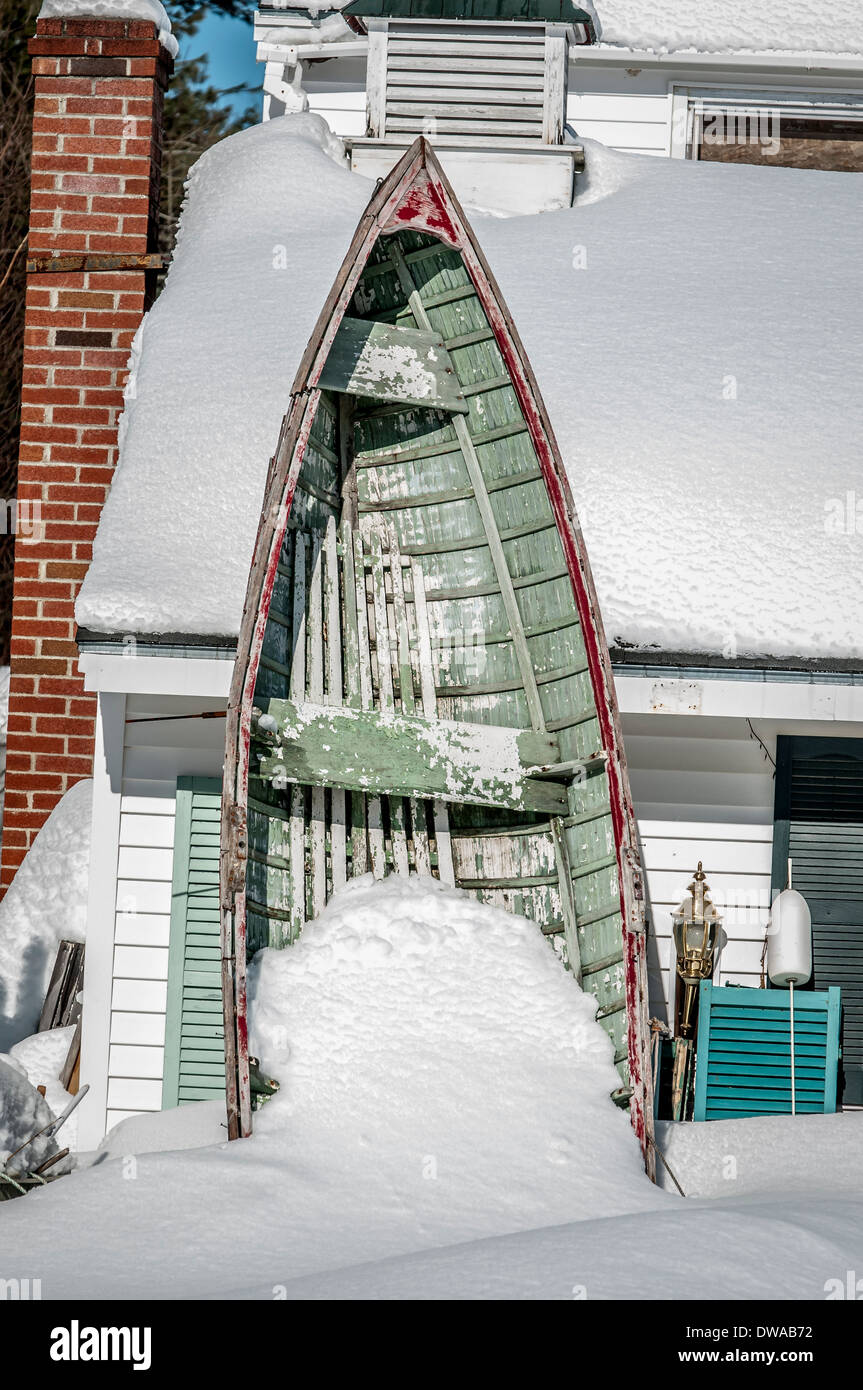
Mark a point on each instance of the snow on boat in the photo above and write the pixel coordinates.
(422, 681)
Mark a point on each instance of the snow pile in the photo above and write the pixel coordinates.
(726, 26)
(114, 9)
(42, 1055)
(443, 1130)
(442, 1080)
(695, 334)
(46, 903)
(703, 388)
(329, 29)
(23, 1113)
(185, 1127)
(435, 1056)
(761, 1248)
(780, 1153)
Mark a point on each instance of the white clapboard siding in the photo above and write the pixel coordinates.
(144, 1030)
(486, 82)
(343, 110)
(139, 996)
(142, 929)
(157, 751)
(134, 1093)
(139, 828)
(737, 958)
(625, 119)
(136, 1060)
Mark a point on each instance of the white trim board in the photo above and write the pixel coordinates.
(783, 700)
(156, 675)
(101, 907)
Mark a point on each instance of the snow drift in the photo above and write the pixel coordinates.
(443, 1131)
(442, 1080)
(436, 1057)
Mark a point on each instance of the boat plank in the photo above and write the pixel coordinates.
(386, 695)
(317, 825)
(334, 639)
(419, 831)
(297, 688)
(374, 819)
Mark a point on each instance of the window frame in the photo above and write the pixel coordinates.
(826, 103)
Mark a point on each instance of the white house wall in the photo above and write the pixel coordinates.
(631, 114)
(341, 98)
(125, 990)
(626, 105)
(155, 755)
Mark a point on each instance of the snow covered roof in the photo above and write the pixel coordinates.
(695, 333)
(691, 26)
(114, 9)
(727, 26)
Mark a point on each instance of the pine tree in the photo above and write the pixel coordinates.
(194, 120)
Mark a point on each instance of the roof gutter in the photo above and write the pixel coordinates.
(596, 55)
(635, 59)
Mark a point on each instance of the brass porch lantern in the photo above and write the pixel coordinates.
(696, 926)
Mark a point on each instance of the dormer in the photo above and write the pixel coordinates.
(486, 82)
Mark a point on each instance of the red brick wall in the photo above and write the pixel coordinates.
(99, 87)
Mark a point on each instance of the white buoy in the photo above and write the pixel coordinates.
(789, 940)
(789, 953)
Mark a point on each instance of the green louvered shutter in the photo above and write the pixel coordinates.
(819, 825)
(194, 1029)
(744, 1052)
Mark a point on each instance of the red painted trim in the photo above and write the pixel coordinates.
(244, 746)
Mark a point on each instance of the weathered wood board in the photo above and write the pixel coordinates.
(383, 362)
(407, 755)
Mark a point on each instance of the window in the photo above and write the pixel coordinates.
(782, 129)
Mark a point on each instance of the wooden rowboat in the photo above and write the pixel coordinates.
(422, 681)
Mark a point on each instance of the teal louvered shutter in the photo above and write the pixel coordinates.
(194, 1027)
(819, 826)
(743, 1063)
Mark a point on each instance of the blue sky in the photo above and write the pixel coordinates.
(230, 52)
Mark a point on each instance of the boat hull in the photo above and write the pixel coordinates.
(421, 567)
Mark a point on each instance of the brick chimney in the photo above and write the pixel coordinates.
(99, 89)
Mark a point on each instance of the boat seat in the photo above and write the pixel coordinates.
(408, 755)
